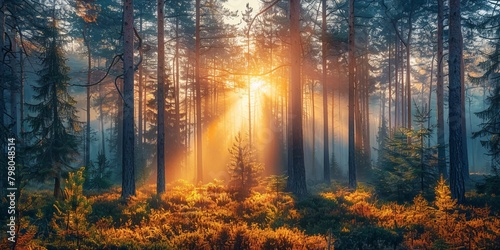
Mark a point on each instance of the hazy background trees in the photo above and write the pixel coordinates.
(372, 64)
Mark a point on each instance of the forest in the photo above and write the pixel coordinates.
(253, 124)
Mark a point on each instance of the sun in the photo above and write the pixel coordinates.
(257, 85)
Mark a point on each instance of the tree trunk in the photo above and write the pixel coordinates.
(141, 90)
(119, 129)
(128, 176)
(326, 151)
(89, 72)
(249, 88)
(160, 98)
(57, 186)
(14, 87)
(397, 108)
(199, 160)
(402, 85)
(455, 102)
(366, 114)
(351, 66)
(101, 121)
(144, 98)
(358, 130)
(390, 91)
(188, 116)
(429, 100)
(408, 70)
(297, 181)
(440, 95)
(313, 154)
(177, 83)
(2, 82)
(2, 63)
(465, 152)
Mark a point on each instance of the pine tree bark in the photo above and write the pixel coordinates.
(440, 95)
(297, 181)
(326, 151)
(160, 98)
(351, 67)
(455, 102)
(128, 175)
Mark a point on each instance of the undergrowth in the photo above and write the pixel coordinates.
(211, 217)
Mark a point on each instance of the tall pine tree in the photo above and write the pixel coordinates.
(54, 123)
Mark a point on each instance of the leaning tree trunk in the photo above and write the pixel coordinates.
(160, 98)
(351, 66)
(455, 102)
(297, 181)
(128, 176)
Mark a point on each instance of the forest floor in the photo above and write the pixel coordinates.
(211, 217)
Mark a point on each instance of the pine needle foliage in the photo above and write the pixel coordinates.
(244, 170)
(406, 165)
(490, 127)
(70, 216)
(54, 122)
(443, 201)
(98, 174)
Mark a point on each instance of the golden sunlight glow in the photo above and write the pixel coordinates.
(258, 85)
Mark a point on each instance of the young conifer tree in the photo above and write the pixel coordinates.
(54, 122)
(70, 216)
(244, 170)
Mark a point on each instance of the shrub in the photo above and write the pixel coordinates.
(70, 218)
